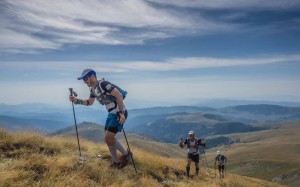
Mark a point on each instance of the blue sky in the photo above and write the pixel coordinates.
(162, 52)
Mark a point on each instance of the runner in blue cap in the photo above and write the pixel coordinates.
(112, 97)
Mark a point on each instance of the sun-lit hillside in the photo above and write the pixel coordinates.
(36, 160)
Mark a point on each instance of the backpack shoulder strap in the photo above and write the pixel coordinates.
(92, 91)
(196, 144)
(99, 86)
(223, 157)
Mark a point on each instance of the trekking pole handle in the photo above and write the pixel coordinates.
(72, 92)
(180, 143)
(181, 140)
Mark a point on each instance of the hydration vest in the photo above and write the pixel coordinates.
(221, 159)
(105, 98)
(188, 143)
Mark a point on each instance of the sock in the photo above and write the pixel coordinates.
(188, 171)
(113, 152)
(197, 170)
(120, 148)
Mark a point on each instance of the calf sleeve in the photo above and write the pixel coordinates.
(114, 154)
(188, 171)
(120, 148)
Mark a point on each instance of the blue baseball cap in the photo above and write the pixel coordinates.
(87, 72)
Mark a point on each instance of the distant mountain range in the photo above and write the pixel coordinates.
(241, 113)
(169, 110)
(171, 128)
(46, 118)
(261, 113)
(221, 103)
(166, 124)
(20, 124)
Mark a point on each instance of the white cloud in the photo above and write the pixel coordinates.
(174, 64)
(9, 39)
(33, 24)
(233, 4)
(177, 64)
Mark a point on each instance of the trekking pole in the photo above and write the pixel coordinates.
(75, 94)
(215, 172)
(129, 151)
(176, 163)
(205, 158)
(224, 169)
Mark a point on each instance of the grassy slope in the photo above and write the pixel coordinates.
(35, 160)
(266, 154)
(95, 133)
(161, 149)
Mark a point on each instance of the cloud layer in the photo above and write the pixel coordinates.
(174, 64)
(177, 64)
(233, 4)
(33, 24)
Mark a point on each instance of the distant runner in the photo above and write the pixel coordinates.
(221, 163)
(192, 144)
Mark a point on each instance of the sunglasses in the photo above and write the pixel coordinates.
(85, 78)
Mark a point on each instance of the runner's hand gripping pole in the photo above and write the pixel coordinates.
(73, 93)
(181, 142)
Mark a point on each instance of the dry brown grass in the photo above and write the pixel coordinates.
(28, 159)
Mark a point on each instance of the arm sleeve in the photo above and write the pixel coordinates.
(107, 86)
